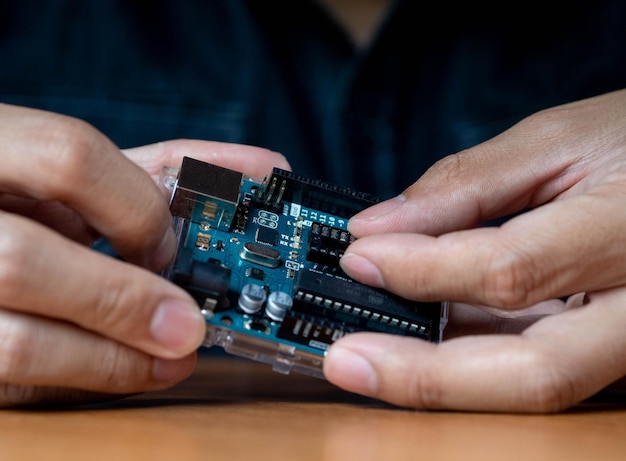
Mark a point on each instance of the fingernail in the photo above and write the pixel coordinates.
(351, 371)
(362, 269)
(178, 327)
(376, 211)
(165, 251)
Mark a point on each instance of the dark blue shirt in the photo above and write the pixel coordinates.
(283, 75)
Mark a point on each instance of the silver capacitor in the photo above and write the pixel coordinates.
(251, 298)
(278, 303)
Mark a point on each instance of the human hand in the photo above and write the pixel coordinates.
(77, 325)
(568, 165)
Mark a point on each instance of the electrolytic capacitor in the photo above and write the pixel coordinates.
(278, 303)
(251, 298)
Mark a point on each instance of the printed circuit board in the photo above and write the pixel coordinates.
(261, 258)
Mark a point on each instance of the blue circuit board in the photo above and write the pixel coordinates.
(262, 260)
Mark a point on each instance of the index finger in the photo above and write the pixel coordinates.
(548, 155)
(253, 161)
(51, 157)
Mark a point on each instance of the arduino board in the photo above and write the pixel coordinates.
(261, 258)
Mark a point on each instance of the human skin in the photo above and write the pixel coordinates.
(77, 325)
(528, 351)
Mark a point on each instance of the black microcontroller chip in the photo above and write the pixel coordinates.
(255, 273)
(267, 236)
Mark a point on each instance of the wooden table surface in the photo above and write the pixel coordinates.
(234, 409)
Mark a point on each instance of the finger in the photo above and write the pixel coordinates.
(250, 160)
(465, 319)
(51, 214)
(463, 190)
(43, 273)
(51, 157)
(42, 359)
(559, 361)
(551, 153)
(558, 249)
